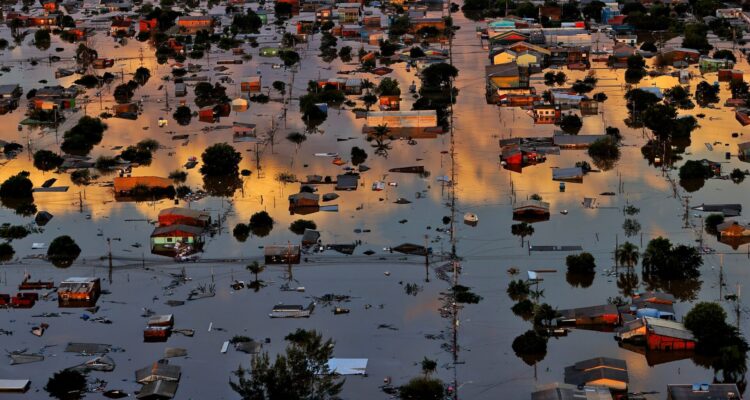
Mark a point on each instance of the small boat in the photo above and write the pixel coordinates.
(191, 163)
(326, 154)
(564, 212)
(562, 186)
(340, 310)
(39, 330)
(378, 186)
(162, 122)
(330, 196)
(471, 219)
(338, 161)
(114, 394)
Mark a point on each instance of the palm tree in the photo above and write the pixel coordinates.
(255, 268)
(523, 229)
(627, 254)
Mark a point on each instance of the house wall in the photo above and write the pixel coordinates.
(503, 58)
(665, 343)
(526, 60)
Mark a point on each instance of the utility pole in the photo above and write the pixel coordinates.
(686, 216)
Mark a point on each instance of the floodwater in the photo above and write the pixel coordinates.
(412, 327)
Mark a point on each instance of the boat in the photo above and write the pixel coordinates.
(378, 186)
(326, 154)
(162, 122)
(338, 161)
(39, 330)
(471, 219)
(115, 394)
(330, 196)
(191, 162)
(412, 249)
(416, 169)
(291, 311)
(340, 310)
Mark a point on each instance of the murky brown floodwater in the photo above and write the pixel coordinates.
(488, 369)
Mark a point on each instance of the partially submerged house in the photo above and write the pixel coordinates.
(657, 334)
(176, 238)
(158, 390)
(531, 209)
(282, 254)
(601, 371)
(347, 182)
(79, 292)
(303, 203)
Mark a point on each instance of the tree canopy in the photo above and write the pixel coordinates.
(220, 159)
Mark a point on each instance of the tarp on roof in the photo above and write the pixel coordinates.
(348, 366)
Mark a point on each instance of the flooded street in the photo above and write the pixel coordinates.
(392, 328)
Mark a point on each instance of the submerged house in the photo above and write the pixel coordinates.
(531, 208)
(79, 292)
(601, 371)
(606, 314)
(160, 370)
(289, 254)
(561, 391)
(149, 186)
(184, 216)
(304, 203)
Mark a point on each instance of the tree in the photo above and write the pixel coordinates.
(46, 160)
(241, 232)
(10, 232)
(6, 252)
(707, 321)
(298, 374)
(712, 221)
(428, 366)
(358, 156)
(249, 22)
(544, 315)
(523, 229)
(665, 261)
(261, 224)
(369, 99)
(183, 115)
(279, 86)
(63, 251)
(299, 226)
(695, 37)
(67, 384)
(289, 57)
(388, 87)
(737, 175)
(255, 268)
(436, 75)
(422, 388)
(530, 347)
(705, 93)
(400, 25)
(560, 78)
(724, 55)
(282, 10)
(142, 75)
(17, 187)
(82, 137)
(220, 159)
(627, 254)
(604, 152)
(695, 170)
(649, 47)
(42, 39)
(739, 88)
(517, 290)
(580, 263)
(571, 124)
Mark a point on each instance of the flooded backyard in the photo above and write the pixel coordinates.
(391, 322)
